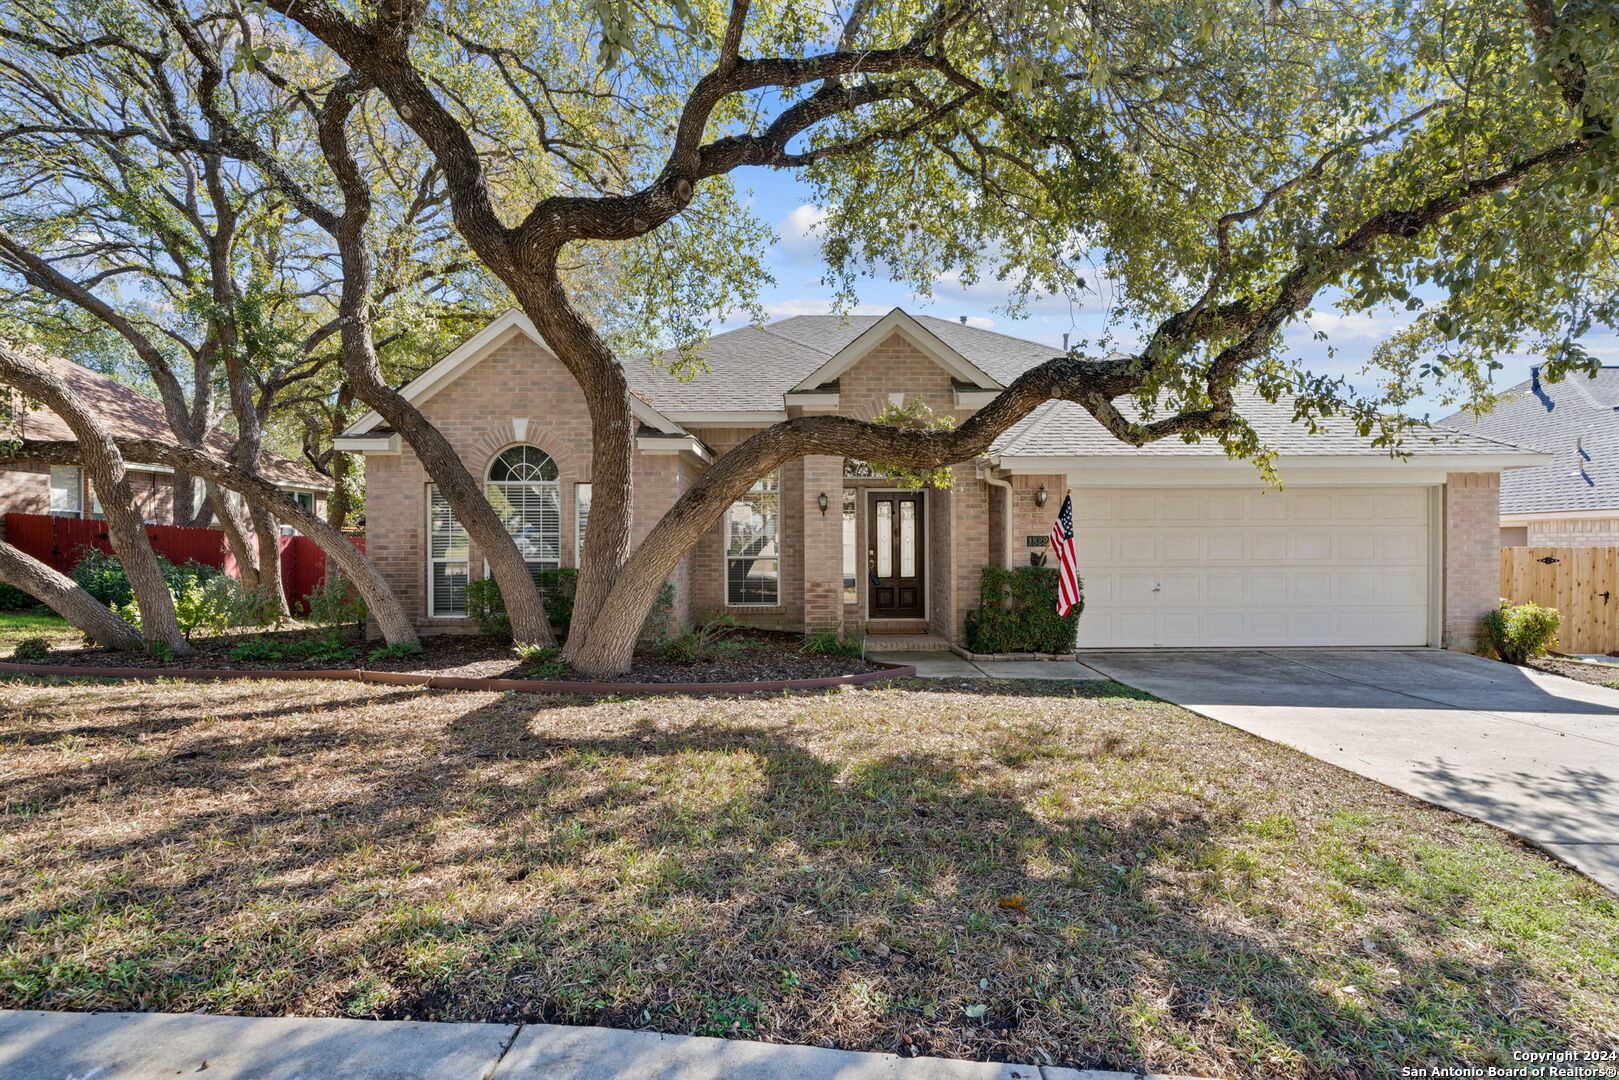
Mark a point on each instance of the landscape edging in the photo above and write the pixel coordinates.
(454, 682)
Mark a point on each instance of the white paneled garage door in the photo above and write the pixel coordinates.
(1313, 566)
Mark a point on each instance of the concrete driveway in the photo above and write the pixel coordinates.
(1534, 754)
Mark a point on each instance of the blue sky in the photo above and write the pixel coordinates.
(796, 264)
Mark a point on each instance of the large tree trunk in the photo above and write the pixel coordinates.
(348, 560)
(110, 479)
(456, 484)
(338, 503)
(607, 395)
(267, 537)
(58, 592)
(236, 533)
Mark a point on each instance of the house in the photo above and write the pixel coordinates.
(64, 491)
(1572, 498)
(1179, 545)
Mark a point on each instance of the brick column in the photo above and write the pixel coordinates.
(822, 543)
(1472, 582)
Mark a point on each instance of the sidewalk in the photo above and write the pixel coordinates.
(145, 1046)
(947, 665)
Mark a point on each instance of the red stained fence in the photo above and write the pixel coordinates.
(60, 542)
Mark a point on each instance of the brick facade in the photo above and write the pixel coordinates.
(1472, 560)
(519, 393)
(1570, 532)
(26, 489)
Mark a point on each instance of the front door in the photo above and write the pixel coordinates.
(894, 554)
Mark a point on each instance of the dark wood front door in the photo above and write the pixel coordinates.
(894, 546)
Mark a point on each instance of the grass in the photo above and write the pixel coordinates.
(991, 870)
(18, 625)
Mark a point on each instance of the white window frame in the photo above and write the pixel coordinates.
(465, 560)
(61, 472)
(554, 486)
(725, 539)
(581, 517)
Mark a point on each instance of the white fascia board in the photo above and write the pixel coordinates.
(975, 399)
(1559, 515)
(502, 329)
(386, 444)
(1334, 470)
(917, 334)
(688, 444)
(730, 417)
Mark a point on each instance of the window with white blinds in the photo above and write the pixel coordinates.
(67, 491)
(752, 552)
(524, 491)
(448, 555)
(581, 517)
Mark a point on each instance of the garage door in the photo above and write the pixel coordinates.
(1318, 566)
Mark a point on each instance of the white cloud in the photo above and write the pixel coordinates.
(784, 309)
(800, 243)
(1359, 326)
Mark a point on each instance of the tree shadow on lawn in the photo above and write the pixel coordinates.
(753, 868)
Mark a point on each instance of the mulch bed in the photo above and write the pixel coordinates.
(1589, 673)
(755, 656)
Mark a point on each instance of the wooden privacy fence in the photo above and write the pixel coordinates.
(1582, 583)
(60, 543)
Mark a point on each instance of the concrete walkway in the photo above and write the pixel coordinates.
(947, 665)
(1535, 754)
(144, 1046)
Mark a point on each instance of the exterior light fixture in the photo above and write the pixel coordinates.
(823, 502)
(1040, 496)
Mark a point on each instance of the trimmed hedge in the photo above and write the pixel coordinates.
(1018, 613)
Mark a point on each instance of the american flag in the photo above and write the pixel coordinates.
(1062, 543)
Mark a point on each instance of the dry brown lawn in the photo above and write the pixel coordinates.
(1002, 871)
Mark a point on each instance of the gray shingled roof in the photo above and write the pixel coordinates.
(1578, 421)
(1063, 429)
(751, 368)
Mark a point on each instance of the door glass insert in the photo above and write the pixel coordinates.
(907, 539)
(885, 538)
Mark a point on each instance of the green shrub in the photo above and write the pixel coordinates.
(328, 648)
(258, 649)
(535, 654)
(487, 608)
(160, 650)
(399, 650)
(335, 602)
(832, 643)
(1516, 633)
(551, 669)
(34, 648)
(704, 641)
(13, 599)
(1018, 613)
(102, 576)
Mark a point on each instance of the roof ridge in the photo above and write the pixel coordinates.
(1056, 352)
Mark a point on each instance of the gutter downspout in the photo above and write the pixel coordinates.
(1006, 518)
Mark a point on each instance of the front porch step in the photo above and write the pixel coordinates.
(905, 643)
(896, 626)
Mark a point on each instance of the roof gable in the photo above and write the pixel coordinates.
(898, 321)
(509, 325)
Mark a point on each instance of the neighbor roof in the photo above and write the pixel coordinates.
(129, 414)
(1577, 420)
(1064, 429)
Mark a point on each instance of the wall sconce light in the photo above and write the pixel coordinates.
(1040, 496)
(823, 502)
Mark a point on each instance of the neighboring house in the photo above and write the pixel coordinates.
(1572, 500)
(64, 491)
(1180, 546)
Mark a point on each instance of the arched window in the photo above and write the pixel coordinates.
(523, 489)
